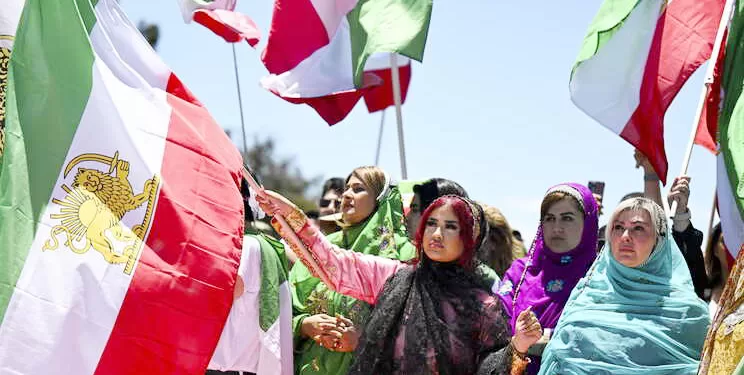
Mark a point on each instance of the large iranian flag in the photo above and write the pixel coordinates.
(10, 12)
(120, 210)
(318, 50)
(636, 57)
(731, 137)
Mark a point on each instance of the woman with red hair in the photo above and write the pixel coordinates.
(434, 315)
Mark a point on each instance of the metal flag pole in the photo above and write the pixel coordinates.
(379, 139)
(240, 98)
(398, 114)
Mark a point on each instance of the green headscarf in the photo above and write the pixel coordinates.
(622, 320)
(383, 234)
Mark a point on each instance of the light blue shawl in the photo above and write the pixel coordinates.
(622, 320)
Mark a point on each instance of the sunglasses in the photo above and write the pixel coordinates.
(328, 202)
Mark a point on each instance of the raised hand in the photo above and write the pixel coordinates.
(680, 192)
(527, 331)
(273, 203)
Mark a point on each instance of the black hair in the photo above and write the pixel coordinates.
(435, 188)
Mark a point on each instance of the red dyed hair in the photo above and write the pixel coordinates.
(465, 219)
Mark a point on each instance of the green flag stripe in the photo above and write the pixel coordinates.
(609, 19)
(731, 124)
(387, 26)
(50, 79)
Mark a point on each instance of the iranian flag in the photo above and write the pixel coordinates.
(730, 160)
(636, 57)
(220, 17)
(318, 50)
(10, 12)
(120, 210)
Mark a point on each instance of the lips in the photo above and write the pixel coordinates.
(436, 245)
(626, 249)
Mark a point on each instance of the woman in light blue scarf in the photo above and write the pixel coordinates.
(636, 311)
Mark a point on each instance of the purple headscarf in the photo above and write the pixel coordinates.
(547, 281)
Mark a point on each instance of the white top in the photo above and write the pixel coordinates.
(244, 346)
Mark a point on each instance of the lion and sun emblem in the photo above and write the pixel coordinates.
(91, 213)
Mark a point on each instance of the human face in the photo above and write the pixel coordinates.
(414, 216)
(441, 240)
(632, 237)
(330, 203)
(357, 202)
(563, 225)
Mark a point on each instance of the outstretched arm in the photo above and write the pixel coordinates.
(354, 274)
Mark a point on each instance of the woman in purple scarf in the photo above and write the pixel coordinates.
(563, 250)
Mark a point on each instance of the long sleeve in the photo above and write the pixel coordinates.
(354, 274)
(357, 275)
(690, 242)
(496, 353)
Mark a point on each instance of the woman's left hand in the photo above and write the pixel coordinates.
(345, 335)
(527, 331)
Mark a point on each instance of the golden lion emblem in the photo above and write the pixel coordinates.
(95, 204)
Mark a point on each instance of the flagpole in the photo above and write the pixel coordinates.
(713, 210)
(379, 139)
(398, 114)
(240, 98)
(725, 16)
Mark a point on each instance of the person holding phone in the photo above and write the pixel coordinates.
(562, 252)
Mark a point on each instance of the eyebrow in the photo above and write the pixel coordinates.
(632, 222)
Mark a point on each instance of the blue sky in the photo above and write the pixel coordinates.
(488, 108)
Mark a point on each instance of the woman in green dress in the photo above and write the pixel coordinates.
(372, 223)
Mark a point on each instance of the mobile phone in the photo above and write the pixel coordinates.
(597, 187)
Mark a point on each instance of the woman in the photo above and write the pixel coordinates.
(723, 352)
(716, 267)
(424, 194)
(561, 254)
(636, 312)
(372, 214)
(430, 317)
(500, 247)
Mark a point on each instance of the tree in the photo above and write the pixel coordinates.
(280, 174)
(150, 31)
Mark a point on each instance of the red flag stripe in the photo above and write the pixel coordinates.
(181, 292)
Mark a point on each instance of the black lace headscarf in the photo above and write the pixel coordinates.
(413, 300)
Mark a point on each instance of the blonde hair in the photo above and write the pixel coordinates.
(372, 177)
(658, 219)
(508, 250)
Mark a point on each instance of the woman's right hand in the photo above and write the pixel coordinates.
(315, 327)
(527, 331)
(273, 203)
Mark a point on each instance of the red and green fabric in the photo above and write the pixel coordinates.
(317, 50)
(730, 159)
(635, 58)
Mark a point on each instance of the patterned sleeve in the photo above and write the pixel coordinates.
(496, 354)
(354, 274)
